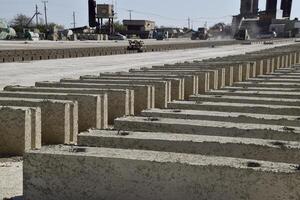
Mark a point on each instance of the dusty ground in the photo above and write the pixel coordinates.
(30, 72)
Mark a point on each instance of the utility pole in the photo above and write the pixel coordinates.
(130, 11)
(45, 10)
(189, 23)
(37, 14)
(74, 19)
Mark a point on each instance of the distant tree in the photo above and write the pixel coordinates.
(20, 21)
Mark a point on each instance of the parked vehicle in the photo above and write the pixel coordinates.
(117, 36)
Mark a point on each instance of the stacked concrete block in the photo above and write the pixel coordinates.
(162, 88)
(59, 118)
(257, 149)
(20, 130)
(235, 117)
(144, 95)
(138, 174)
(176, 84)
(92, 109)
(120, 102)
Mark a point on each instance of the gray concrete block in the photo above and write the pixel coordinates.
(189, 85)
(162, 88)
(20, 130)
(213, 128)
(245, 99)
(177, 84)
(236, 107)
(245, 88)
(118, 174)
(144, 96)
(120, 102)
(267, 94)
(235, 117)
(268, 84)
(248, 148)
(92, 109)
(59, 118)
(199, 80)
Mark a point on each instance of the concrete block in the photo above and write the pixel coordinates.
(279, 89)
(59, 118)
(92, 109)
(248, 148)
(177, 84)
(118, 174)
(189, 82)
(235, 117)
(246, 100)
(268, 94)
(120, 102)
(198, 80)
(20, 130)
(144, 95)
(213, 128)
(268, 84)
(162, 88)
(236, 107)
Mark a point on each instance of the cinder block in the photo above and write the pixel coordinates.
(92, 109)
(236, 107)
(213, 128)
(20, 130)
(59, 118)
(177, 84)
(162, 88)
(120, 102)
(235, 117)
(248, 148)
(144, 95)
(118, 174)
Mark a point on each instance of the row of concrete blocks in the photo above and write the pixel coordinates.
(119, 103)
(225, 144)
(45, 54)
(122, 94)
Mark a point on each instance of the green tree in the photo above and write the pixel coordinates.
(20, 21)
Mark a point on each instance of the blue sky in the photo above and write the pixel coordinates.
(164, 12)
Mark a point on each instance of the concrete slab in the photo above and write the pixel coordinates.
(92, 109)
(177, 84)
(268, 84)
(257, 149)
(235, 117)
(120, 102)
(200, 79)
(267, 94)
(280, 80)
(213, 128)
(162, 88)
(144, 96)
(236, 107)
(246, 88)
(59, 118)
(137, 174)
(245, 99)
(20, 130)
(189, 82)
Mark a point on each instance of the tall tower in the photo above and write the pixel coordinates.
(271, 8)
(92, 13)
(286, 7)
(249, 8)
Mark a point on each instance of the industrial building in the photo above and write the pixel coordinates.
(266, 23)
